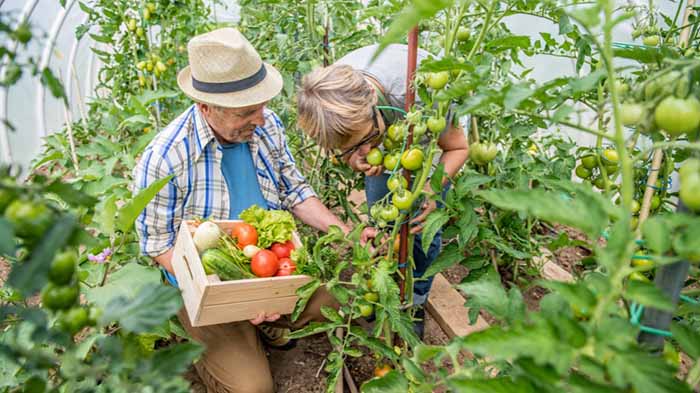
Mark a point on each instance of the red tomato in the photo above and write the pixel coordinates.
(290, 245)
(245, 234)
(287, 267)
(284, 272)
(281, 250)
(264, 264)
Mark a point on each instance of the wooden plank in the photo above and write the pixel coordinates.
(194, 264)
(191, 294)
(549, 269)
(253, 289)
(446, 305)
(230, 312)
(554, 272)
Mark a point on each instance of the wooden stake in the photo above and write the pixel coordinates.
(658, 153)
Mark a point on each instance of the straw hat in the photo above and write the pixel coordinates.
(226, 70)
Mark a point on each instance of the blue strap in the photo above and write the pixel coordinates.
(170, 278)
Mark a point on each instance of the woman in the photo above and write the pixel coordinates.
(338, 108)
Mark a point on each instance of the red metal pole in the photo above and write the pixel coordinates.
(410, 100)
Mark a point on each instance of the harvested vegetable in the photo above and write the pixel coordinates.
(206, 236)
(272, 225)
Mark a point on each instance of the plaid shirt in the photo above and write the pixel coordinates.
(187, 148)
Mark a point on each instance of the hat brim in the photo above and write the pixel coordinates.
(264, 91)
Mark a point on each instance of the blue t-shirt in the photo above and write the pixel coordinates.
(242, 183)
(241, 179)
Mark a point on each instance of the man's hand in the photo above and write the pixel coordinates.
(418, 221)
(368, 234)
(262, 317)
(358, 162)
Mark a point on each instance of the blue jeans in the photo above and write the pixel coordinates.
(376, 189)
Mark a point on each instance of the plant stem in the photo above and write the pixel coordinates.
(627, 188)
(484, 29)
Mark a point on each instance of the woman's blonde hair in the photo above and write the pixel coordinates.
(334, 103)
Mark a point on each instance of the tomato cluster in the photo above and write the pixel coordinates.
(596, 168)
(31, 219)
(397, 154)
(664, 103)
(274, 261)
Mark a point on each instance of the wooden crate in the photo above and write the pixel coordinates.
(210, 301)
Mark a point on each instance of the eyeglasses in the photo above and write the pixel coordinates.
(373, 138)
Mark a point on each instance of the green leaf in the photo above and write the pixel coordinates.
(516, 95)
(461, 383)
(313, 328)
(424, 352)
(436, 179)
(649, 295)
(588, 82)
(150, 96)
(562, 113)
(687, 243)
(304, 292)
(656, 234)
(469, 182)
(124, 282)
(7, 238)
(449, 256)
(576, 294)
(578, 212)
(105, 214)
(510, 42)
(565, 26)
(70, 195)
(538, 340)
(487, 295)
(589, 16)
(137, 120)
(30, 276)
(341, 294)
(152, 306)
(331, 314)
(175, 359)
(433, 223)
(392, 382)
(645, 372)
(54, 85)
(133, 208)
(688, 339)
(408, 18)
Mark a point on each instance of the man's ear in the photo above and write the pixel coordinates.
(204, 108)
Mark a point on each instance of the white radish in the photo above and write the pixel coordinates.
(206, 236)
(250, 250)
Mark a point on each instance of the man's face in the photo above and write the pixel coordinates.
(233, 125)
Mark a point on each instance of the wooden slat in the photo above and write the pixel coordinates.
(446, 305)
(210, 315)
(192, 256)
(191, 294)
(253, 289)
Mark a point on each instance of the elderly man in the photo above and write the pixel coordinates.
(226, 152)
